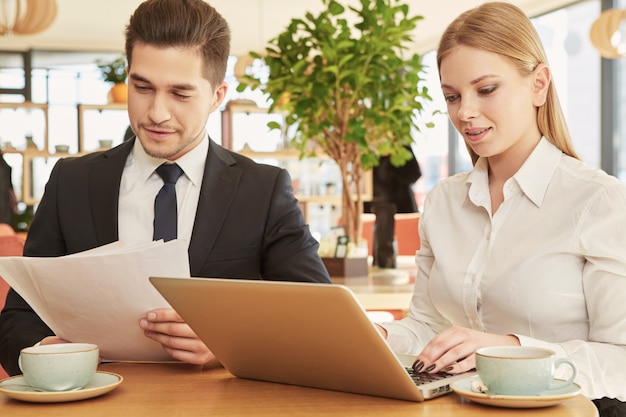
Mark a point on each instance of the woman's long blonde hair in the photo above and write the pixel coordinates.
(504, 29)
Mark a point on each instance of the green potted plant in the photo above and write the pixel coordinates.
(115, 72)
(351, 91)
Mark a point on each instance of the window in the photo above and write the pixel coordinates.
(575, 67)
(619, 115)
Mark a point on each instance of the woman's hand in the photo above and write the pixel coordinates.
(381, 330)
(166, 327)
(52, 340)
(452, 350)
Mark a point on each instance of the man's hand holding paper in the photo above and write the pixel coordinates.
(165, 326)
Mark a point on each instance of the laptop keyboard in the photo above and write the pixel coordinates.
(421, 378)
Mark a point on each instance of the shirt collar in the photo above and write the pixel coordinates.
(192, 163)
(533, 177)
(535, 174)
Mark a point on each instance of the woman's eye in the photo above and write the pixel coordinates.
(450, 98)
(487, 90)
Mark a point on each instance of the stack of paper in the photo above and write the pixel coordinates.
(99, 296)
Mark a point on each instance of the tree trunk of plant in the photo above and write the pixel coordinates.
(352, 204)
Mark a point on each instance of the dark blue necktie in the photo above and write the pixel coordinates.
(165, 211)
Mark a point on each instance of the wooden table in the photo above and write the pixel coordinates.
(389, 290)
(376, 295)
(174, 389)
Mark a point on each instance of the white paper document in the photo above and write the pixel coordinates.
(99, 296)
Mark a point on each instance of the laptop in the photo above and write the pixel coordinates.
(305, 334)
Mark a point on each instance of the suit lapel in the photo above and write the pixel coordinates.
(219, 185)
(105, 175)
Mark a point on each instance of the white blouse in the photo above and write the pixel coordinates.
(549, 266)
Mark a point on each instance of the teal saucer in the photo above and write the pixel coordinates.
(463, 388)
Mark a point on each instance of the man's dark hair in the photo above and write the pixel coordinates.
(186, 24)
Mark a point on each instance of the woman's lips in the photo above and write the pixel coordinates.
(474, 135)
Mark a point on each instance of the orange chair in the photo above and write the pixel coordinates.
(367, 232)
(10, 245)
(6, 230)
(405, 230)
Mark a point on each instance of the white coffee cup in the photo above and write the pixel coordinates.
(59, 367)
(520, 370)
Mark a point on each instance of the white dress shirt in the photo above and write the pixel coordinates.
(140, 185)
(549, 266)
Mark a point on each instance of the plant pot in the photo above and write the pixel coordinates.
(119, 93)
(346, 267)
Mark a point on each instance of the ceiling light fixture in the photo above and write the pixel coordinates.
(26, 17)
(608, 33)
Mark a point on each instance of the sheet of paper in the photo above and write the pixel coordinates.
(99, 296)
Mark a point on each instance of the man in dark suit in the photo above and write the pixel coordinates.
(393, 193)
(8, 204)
(240, 218)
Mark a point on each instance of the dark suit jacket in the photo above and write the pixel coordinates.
(248, 225)
(393, 184)
(7, 198)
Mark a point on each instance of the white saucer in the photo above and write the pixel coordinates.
(463, 387)
(101, 383)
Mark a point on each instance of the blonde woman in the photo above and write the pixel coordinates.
(527, 248)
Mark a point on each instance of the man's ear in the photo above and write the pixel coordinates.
(541, 84)
(219, 95)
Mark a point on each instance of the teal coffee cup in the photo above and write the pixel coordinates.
(59, 367)
(521, 370)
